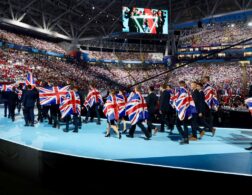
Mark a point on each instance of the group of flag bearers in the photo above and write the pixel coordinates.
(65, 102)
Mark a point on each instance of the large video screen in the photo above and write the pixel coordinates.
(145, 20)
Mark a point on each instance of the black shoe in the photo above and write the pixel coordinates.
(184, 141)
(124, 131)
(147, 138)
(26, 125)
(85, 121)
(249, 148)
(32, 125)
(107, 135)
(75, 131)
(13, 119)
(65, 130)
(99, 122)
(120, 136)
(130, 136)
(5, 115)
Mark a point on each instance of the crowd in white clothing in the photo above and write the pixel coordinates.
(218, 34)
(30, 41)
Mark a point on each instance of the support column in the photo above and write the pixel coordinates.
(243, 65)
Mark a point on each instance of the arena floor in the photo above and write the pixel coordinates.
(223, 153)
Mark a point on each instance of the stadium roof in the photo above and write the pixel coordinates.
(91, 18)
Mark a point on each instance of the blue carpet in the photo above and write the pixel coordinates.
(224, 152)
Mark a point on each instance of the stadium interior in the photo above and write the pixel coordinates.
(84, 42)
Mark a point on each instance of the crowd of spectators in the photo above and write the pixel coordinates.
(217, 34)
(30, 41)
(226, 77)
(124, 56)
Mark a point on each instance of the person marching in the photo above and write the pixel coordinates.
(184, 106)
(92, 104)
(136, 110)
(12, 102)
(111, 111)
(211, 101)
(122, 101)
(71, 105)
(152, 104)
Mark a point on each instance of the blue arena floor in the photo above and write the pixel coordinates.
(223, 153)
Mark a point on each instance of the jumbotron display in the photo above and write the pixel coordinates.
(145, 20)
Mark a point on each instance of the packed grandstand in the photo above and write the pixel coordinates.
(227, 77)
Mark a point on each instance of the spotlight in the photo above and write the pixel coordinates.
(93, 7)
(250, 24)
(232, 25)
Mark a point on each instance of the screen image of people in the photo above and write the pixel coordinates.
(145, 20)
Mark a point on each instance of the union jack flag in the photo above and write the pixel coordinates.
(211, 97)
(130, 95)
(136, 108)
(30, 80)
(52, 95)
(122, 101)
(70, 105)
(93, 97)
(111, 108)
(173, 97)
(4, 87)
(249, 104)
(184, 104)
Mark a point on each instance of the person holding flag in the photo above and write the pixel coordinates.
(211, 102)
(111, 111)
(185, 108)
(71, 105)
(92, 103)
(122, 101)
(53, 96)
(136, 110)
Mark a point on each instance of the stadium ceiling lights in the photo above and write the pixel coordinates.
(36, 29)
(250, 24)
